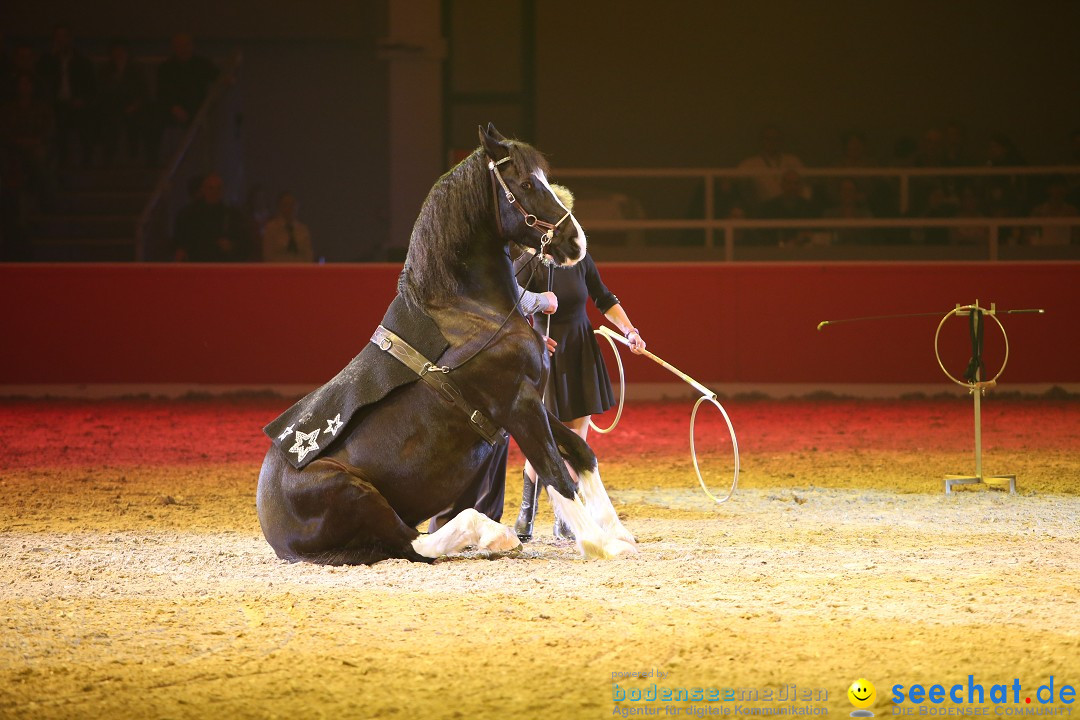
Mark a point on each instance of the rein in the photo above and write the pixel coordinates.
(545, 239)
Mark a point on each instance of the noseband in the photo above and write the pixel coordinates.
(547, 229)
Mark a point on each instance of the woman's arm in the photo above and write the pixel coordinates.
(608, 304)
(619, 319)
(531, 302)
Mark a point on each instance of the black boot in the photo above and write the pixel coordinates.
(524, 525)
(561, 530)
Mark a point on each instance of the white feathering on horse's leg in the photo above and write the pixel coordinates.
(469, 527)
(495, 537)
(599, 505)
(592, 541)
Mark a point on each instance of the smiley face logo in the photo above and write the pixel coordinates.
(862, 693)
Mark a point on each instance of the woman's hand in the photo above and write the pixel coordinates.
(637, 344)
(552, 302)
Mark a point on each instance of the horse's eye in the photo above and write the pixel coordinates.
(527, 185)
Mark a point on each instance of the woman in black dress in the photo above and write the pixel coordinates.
(578, 385)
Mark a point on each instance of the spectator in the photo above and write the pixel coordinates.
(209, 230)
(22, 63)
(904, 151)
(850, 205)
(771, 161)
(122, 95)
(1056, 206)
(878, 195)
(1004, 195)
(968, 206)
(1074, 159)
(930, 153)
(68, 82)
(183, 82)
(931, 149)
(790, 204)
(939, 204)
(284, 238)
(954, 146)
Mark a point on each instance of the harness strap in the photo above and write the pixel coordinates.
(436, 377)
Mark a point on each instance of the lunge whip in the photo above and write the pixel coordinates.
(707, 395)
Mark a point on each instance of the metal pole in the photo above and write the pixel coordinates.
(978, 426)
(531, 512)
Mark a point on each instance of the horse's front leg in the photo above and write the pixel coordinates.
(582, 460)
(530, 428)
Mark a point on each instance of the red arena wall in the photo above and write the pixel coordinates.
(722, 323)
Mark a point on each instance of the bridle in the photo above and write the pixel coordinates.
(545, 238)
(548, 229)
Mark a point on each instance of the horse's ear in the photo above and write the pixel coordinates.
(493, 143)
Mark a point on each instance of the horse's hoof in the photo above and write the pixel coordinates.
(498, 538)
(616, 548)
(621, 533)
(610, 547)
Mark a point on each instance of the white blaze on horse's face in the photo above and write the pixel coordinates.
(542, 179)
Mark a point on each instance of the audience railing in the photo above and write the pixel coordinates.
(729, 228)
(209, 142)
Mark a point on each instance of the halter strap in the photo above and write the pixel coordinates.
(530, 219)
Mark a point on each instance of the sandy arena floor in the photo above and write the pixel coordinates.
(135, 582)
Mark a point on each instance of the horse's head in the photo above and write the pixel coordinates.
(529, 211)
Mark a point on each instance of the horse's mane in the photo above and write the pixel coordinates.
(458, 210)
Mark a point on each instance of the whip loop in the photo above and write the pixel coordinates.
(707, 395)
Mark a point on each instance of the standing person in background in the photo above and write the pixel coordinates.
(578, 384)
(284, 238)
(68, 82)
(183, 82)
(122, 95)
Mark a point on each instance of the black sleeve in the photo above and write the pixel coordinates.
(604, 298)
(531, 273)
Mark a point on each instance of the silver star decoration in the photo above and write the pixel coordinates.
(332, 426)
(286, 432)
(300, 448)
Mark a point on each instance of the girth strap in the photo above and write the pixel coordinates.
(436, 377)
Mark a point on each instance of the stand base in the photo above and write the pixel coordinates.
(992, 482)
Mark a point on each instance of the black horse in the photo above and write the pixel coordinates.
(408, 456)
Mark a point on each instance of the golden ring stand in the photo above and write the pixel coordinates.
(977, 389)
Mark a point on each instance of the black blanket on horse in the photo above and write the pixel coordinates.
(308, 428)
